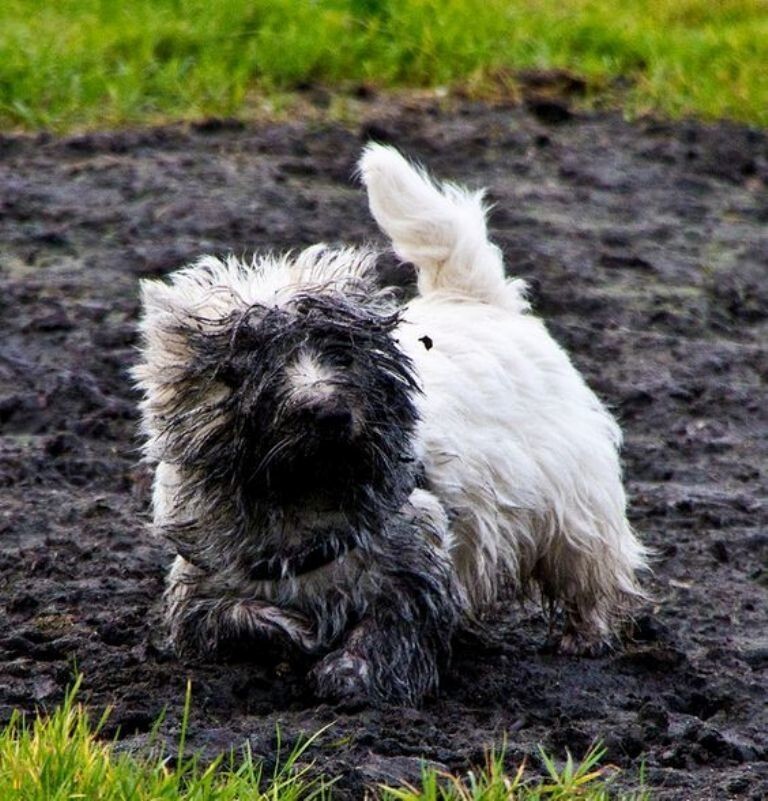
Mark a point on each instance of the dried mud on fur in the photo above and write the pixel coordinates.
(646, 246)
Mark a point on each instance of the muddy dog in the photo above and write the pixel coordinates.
(355, 479)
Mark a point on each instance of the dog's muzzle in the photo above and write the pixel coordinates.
(327, 419)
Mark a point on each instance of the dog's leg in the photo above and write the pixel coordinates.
(588, 568)
(204, 618)
(394, 653)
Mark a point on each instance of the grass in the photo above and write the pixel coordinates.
(583, 781)
(94, 63)
(60, 757)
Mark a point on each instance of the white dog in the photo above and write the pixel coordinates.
(353, 479)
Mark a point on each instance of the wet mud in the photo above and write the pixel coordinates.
(646, 246)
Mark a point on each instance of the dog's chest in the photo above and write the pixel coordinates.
(320, 566)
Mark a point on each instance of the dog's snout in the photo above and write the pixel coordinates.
(327, 418)
(334, 417)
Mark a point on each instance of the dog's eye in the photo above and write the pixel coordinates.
(302, 308)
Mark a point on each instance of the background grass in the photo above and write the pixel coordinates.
(97, 63)
(61, 758)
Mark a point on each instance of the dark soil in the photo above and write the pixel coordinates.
(646, 246)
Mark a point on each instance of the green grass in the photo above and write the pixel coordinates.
(97, 63)
(585, 781)
(60, 757)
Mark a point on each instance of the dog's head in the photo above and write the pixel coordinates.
(279, 382)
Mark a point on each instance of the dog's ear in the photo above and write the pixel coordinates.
(160, 301)
(207, 285)
(165, 319)
(174, 374)
(167, 326)
(191, 301)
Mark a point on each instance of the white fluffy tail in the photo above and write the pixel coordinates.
(439, 228)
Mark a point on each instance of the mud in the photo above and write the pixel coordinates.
(646, 245)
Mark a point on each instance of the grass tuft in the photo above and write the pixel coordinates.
(583, 781)
(97, 63)
(60, 757)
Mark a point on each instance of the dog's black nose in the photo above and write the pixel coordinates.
(338, 417)
(328, 419)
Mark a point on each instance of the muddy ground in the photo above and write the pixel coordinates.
(647, 248)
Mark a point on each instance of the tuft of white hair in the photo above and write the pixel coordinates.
(440, 228)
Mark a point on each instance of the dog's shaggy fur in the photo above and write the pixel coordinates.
(354, 480)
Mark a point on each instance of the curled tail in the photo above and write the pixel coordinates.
(439, 228)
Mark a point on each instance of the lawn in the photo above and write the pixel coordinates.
(97, 63)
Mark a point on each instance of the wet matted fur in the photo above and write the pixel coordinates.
(353, 479)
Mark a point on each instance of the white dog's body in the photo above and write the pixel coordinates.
(515, 445)
(522, 481)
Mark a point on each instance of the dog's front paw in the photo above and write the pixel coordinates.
(241, 629)
(345, 678)
(273, 622)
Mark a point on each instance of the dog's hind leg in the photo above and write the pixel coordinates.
(395, 651)
(587, 568)
(206, 619)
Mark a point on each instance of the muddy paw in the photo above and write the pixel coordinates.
(343, 678)
(576, 643)
(288, 623)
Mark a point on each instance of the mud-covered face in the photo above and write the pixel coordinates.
(311, 399)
